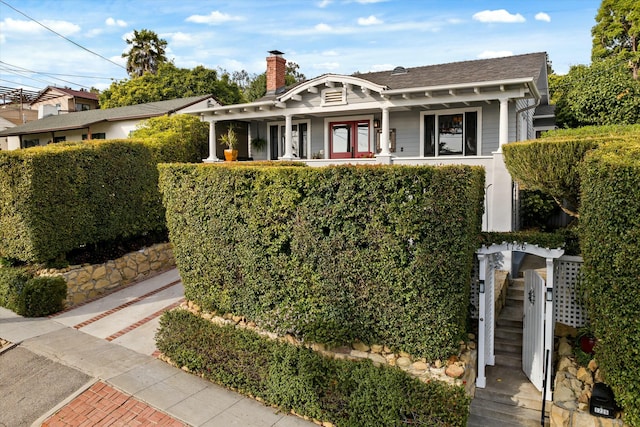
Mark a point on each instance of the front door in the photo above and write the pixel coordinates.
(533, 327)
(350, 139)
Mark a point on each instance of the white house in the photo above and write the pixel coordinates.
(110, 123)
(456, 113)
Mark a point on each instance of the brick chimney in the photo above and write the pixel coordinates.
(276, 69)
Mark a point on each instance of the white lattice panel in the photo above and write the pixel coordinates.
(569, 308)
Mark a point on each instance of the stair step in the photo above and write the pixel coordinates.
(508, 333)
(489, 413)
(480, 421)
(510, 386)
(506, 359)
(517, 294)
(508, 346)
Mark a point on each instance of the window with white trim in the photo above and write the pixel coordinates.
(451, 132)
(299, 138)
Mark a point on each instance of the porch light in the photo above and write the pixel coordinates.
(376, 123)
(549, 294)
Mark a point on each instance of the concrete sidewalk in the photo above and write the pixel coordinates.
(100, 367)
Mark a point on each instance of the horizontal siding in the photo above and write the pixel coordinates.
(407, 126)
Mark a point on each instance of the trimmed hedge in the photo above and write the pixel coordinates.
(56, 198)
(344, 392)
(177, 138)
(330, 255)
(610, 240)
(550, 164)
(31, 296)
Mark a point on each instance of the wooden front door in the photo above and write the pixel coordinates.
(350, 139)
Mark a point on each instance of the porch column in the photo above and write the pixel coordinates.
(249, 147)
(384, 136)
(503, 137)
(549, 329)
(213, 156)
(288, 139)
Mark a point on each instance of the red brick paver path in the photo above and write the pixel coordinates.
(103, 405)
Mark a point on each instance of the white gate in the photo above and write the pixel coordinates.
(533, 327)
(488, 258)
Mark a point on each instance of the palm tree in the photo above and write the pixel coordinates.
(146, 53)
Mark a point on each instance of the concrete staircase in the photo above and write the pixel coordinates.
(509, 399)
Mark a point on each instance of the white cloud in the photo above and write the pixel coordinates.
(541, 16)
(181, 38)
(95, 32)
(330, 53)
(115, 22)
(371, 20)
(322, 27)
(17, 26)
(327, 66)
(213, 18)
(500, 15)
(381, 67)
(324, 3)
(487, 54)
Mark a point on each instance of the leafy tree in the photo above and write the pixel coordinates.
(617, 33)
(603, 93)
(146, 54)
(171, 82)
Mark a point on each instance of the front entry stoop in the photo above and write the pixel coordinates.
(509, 398)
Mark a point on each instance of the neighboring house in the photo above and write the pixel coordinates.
(59, 100)
(110, 123)
(4, 124)
(457, 113)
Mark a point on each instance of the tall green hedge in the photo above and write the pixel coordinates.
(550, 164)
(56, 198)
(380, 254)
(610, 241)
(347, 393)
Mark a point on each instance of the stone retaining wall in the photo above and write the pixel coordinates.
(88, 281)
(572, 391)
(457, 370)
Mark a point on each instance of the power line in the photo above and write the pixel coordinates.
(60, 35)
(21, 71)
(56, 74)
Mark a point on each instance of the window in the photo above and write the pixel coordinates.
(82, 107)
(59, 139)
(452, 133)
(26, 143)
(99, 135)
(299, 136)
(350, 139)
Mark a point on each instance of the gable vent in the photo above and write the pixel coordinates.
(399, 70)
(334, 96)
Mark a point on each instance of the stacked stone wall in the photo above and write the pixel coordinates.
(458, 370)
(85, 282)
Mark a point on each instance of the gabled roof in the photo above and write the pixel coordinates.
(49, 93)
(455, 73)
(83, 119)
(77, 93)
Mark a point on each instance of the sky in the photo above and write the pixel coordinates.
(321, 36)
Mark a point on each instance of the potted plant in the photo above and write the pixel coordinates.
(258, 143)
(230, 139)
(586, 339)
